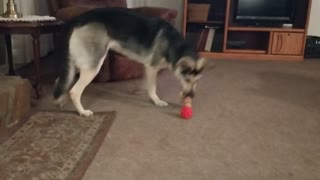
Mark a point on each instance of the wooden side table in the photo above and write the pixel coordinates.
(35, 29)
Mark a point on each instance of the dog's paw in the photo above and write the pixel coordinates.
(60, 105)
(86, 113)
(60, 102)
(161, 103)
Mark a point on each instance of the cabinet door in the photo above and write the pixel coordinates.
(287, 43)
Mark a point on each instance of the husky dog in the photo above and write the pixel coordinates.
(148, 40)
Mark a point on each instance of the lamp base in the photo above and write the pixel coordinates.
(12, 15)
(12, 10)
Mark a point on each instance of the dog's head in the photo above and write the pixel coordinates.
(189, 70)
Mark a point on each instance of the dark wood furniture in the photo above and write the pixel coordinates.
(263, 43)
(34, 29)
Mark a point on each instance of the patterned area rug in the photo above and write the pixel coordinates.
(53, 146)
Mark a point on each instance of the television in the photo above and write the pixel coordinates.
(264, 12)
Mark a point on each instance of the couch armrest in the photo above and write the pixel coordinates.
(164, 13)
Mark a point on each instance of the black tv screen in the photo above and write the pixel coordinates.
(264, 10)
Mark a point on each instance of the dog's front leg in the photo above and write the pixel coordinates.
(151, 83)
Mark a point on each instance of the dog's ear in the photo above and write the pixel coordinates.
(201, 63)
(205, 66)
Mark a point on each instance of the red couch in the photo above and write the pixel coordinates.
(116, 67)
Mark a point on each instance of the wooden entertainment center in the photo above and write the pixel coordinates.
(232, 40)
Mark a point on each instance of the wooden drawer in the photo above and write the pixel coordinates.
(287, 43)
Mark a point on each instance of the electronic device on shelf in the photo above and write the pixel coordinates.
(270, 13)
(312, 47)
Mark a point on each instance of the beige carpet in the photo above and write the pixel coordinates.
(252, 121)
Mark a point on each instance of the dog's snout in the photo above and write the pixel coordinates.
(188, 94)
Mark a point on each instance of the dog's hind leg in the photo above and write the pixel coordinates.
(86, 76)
(151, 85)
(88, 69)
(89, 45)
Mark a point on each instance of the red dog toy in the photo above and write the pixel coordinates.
(186, 110)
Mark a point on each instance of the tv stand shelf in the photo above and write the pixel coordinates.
(265, 29)
(233, 40)
(206, 22)
(250, 51)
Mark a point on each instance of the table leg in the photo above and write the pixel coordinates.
(36, 54)
(11, 71)
(55, 41)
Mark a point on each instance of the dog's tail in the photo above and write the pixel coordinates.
(66, 68)
(64, 81)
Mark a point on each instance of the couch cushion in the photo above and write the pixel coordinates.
(121, 68)
(165, 13)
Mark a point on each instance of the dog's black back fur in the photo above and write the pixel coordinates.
(125, 24)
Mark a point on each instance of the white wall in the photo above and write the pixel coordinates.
(135, 3)
(1, 6)
(172, 4)
(314, 25)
